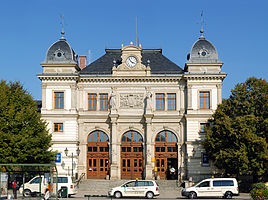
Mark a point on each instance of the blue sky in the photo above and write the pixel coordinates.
(237, 28)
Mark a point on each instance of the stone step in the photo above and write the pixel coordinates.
(101, 186)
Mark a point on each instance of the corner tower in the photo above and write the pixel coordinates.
(59, 102)
(203, 80)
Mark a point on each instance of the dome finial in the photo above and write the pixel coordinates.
(202, 22)
(62, 27)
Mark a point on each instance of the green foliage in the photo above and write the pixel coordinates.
(259, 191)
(23, 135)
(237, 141)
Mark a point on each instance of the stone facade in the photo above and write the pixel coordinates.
(132, 104)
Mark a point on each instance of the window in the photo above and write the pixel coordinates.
(103, 101)
(59, 100)
(204, 184)
(98, 136)
(223, 183)
(204, 100)
(166, 136)
(160, 101)
(202, 127)
(92, 101)
(205, 160)
(58, 127)
(36, 180)
(171, 101)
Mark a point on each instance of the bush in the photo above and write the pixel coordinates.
(259, 191)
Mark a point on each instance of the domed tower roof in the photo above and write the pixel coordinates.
(203, 51)
(61, 53)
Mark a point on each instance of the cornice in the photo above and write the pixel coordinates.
(130, 79)
(204, 76)
(58, 77)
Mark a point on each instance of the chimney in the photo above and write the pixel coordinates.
(82, 62)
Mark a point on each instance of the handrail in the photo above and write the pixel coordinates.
(78, 181)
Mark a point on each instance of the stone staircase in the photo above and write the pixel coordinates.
(101, 187)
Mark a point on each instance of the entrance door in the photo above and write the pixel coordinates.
(166, 155)
(97, 155)
(131, 155)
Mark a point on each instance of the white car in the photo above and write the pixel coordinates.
(136, 188)
(33, 186)
(213, 187)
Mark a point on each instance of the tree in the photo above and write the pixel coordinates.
(237, 140)
(23, 135)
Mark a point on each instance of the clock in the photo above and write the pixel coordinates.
(131, 61)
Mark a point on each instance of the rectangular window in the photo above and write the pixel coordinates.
(92, 101)
(58, 127)
(103, 101)
(160, 101)
(205, 160)
(204, 100)
(202, 127)
(59, 100)
(171, 101)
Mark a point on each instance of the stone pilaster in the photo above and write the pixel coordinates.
(149, 147)
(219, 93)
(182, 99)
(44, 96)
(115, 153)
(189, 97)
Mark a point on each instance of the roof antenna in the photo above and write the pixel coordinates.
(202, 23)
(136, 31)
(62, 27)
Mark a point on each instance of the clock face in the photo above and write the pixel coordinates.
(131, 61)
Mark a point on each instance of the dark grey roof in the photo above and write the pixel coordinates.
(203, 51)
(61, 53)
(159, 64)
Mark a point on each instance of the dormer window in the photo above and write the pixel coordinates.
(203, 53)
(59, 54)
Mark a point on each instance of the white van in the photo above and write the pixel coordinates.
(136, 188)
(33, 186)
(213, 187)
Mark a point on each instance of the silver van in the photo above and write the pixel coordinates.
(213, 187)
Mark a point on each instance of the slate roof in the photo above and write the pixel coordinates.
(158, 62)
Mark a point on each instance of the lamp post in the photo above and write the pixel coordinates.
(77, 152)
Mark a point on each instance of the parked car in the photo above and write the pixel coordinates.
(213, 187)
(33, 186)
(136, 188)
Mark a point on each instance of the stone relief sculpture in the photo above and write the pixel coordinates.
(131, 100)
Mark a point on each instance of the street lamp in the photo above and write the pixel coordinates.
(77, 152)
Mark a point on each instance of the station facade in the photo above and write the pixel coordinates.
(132, 113)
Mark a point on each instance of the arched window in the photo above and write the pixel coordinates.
(98, 136)
(166, 136)
(132, 136)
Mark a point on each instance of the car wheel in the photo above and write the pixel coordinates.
(192, 195)
(149, 195)
(228, 195)
(27, 193)
(59, 193)
(117, 195)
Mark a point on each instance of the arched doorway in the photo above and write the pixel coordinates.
(131, 155)
(97, 155)
(166, 154)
